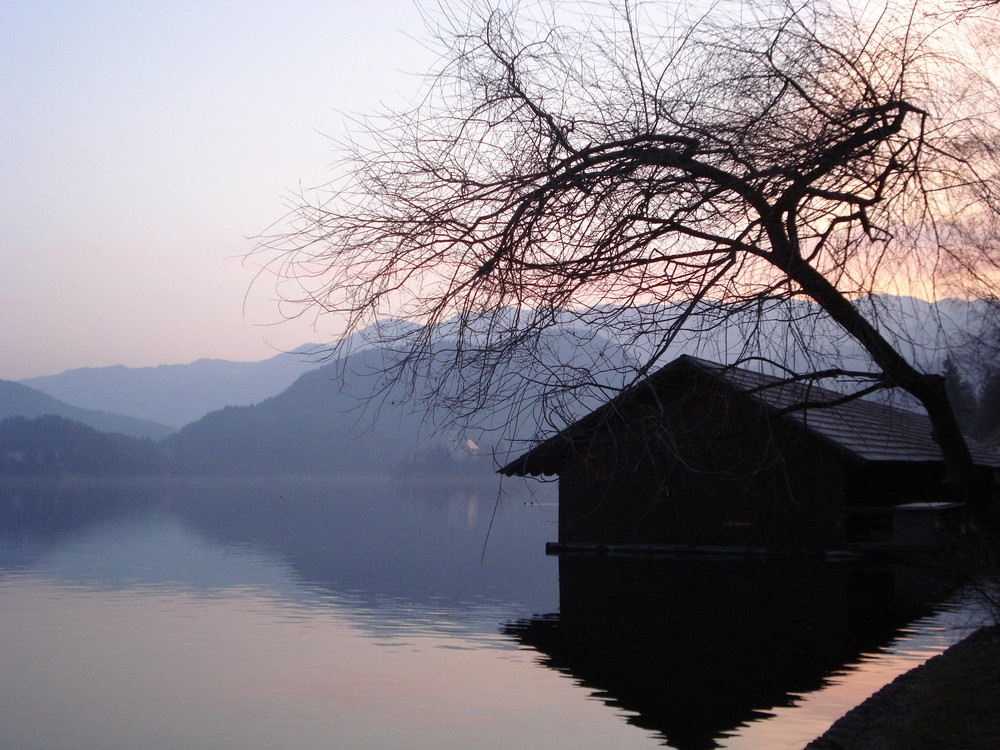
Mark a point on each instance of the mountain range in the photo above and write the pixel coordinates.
(292, 414)
(175, 395)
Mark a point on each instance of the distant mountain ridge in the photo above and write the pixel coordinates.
(19, 400)
(175, 395)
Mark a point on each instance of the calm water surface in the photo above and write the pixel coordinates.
(316, 614)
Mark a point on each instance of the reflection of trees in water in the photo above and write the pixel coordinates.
(696, 648)
(45, 506)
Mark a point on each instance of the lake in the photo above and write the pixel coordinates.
(317, 613)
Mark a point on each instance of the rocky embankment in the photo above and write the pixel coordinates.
(951, 702)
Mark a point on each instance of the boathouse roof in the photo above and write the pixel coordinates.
(864, 429)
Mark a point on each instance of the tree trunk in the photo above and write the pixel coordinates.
(962, 480)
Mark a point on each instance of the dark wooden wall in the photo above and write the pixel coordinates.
(697, 464)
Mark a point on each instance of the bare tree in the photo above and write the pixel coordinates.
(627, 169)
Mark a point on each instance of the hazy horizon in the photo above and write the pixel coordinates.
(265, 355)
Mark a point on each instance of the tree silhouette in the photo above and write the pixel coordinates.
(621, 169)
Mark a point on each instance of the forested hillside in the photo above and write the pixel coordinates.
(50, 446)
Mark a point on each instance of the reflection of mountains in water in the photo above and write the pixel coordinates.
(695, 648)
(445, 543)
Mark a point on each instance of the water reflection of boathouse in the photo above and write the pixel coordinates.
(700, 454)
(693, 648)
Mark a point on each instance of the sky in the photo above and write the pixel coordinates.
(144, 143)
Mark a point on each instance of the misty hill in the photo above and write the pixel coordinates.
(54, 446)
(322, 423)
(313, 427)
(18, 400)
(175, 394)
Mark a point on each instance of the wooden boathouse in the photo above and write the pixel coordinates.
(702, 455)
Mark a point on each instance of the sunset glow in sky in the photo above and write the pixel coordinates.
(144, 142)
